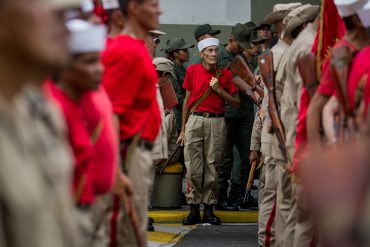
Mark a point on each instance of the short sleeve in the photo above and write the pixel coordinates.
(187, 85)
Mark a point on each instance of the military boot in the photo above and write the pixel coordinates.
(194, 215)
(209, 216)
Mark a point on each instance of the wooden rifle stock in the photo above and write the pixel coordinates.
(250, 182)
(239, 67)
(266, 65)
(340, 65)
(307, 69)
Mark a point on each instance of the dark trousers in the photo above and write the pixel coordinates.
(239, 132)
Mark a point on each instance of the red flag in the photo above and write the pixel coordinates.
(331, 29)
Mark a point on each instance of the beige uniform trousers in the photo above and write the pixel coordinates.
(304, 228)
(204, 147)
(267, 208)
(141, 173)
(283, 200)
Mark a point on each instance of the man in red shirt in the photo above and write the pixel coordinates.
(130, 81)
(355, 38)
(204, 134)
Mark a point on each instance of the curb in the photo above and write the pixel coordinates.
(167, 216)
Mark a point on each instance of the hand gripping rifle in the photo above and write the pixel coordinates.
(340, 66)
(246, 81)
(266, 65)
(307, 68)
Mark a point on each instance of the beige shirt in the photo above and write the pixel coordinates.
(35, 174)
(290, 98)
(266, 137)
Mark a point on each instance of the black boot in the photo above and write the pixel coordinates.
(209, 216)
(194, 215)
(150, 227)
(223, 202)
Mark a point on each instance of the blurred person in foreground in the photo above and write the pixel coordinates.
(36, 207)
(130, 81)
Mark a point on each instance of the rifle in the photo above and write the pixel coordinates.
(266, 65)
(247, 89)
(340, 66)
(239, 67)
(307, 68)
(250, 183)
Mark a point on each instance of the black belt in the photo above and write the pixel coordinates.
(208, 115)
(147, 145)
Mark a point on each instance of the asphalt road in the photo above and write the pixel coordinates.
(229, 235)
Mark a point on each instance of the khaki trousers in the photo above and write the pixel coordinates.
(204, 147)
(304, 228)
(141, 173)
(92, 224)
(267, 208)
(283, 200)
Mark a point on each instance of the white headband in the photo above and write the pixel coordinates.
(208, 42)
(110, 4)
(86, 37)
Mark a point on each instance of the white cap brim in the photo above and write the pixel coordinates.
(110, 4)
(349, 7)
(364, 15)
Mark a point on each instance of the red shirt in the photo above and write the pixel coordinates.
(327, 88)
(130, 81)
(197, 81)
(106, 149)
(360, 67)
(79, 139)
(327, 85)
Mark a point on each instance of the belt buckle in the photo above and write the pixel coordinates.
(206, 114)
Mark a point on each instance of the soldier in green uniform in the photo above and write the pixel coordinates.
(178, 52)
(239, 122)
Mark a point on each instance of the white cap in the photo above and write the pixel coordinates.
(86, 37)
(87, 6)
(349, 7)
(110, 4)
(364, 15)
(208, 42)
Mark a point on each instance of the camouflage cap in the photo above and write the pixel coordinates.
(204, 29)
(177, 44)
(250, 25)
(241, 34)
